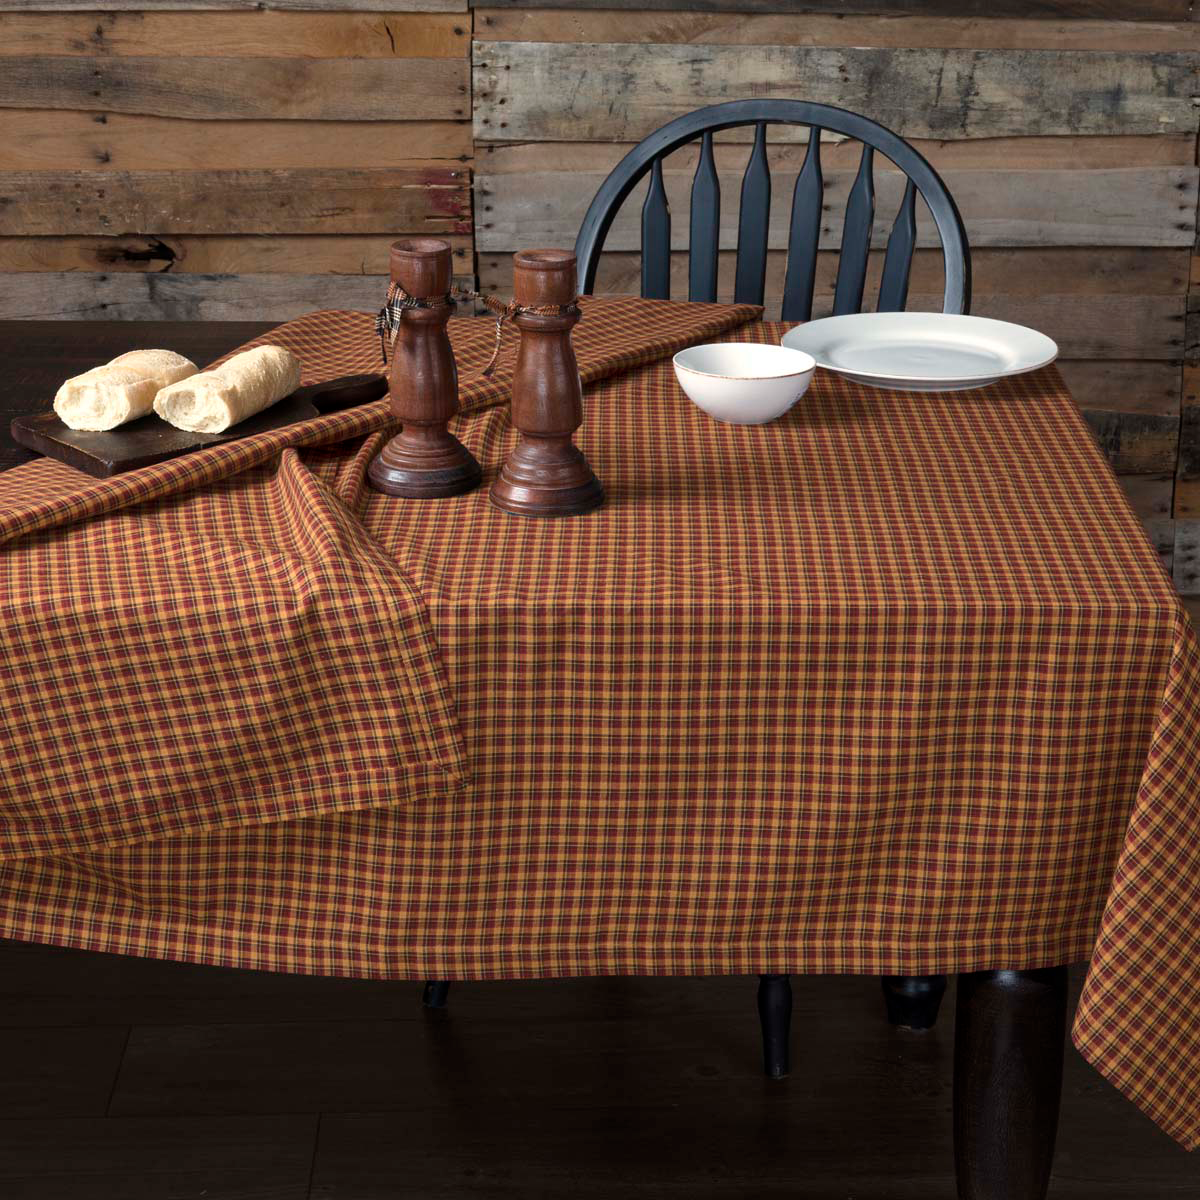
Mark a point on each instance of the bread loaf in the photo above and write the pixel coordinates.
(214, 400)
(119, 391)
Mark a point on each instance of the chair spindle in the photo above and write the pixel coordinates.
(897, 263)
(656, 238)
(753, 219)
(705, 226)
(805, 235)
(856, 238)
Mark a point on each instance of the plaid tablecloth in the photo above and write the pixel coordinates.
(893, 685)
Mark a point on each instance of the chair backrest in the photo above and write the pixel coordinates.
(754, 213)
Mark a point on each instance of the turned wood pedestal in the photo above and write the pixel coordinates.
(546, 475)
(424, 460)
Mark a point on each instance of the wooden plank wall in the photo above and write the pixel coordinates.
(210, 159)
(231, 163)
(1069, 144)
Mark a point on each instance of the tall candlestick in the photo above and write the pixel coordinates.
(424, 459)
(546, 475)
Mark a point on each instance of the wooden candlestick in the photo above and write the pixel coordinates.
(546, 475)
(424, 459)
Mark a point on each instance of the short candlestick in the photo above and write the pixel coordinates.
(424, 459)
(546, 475)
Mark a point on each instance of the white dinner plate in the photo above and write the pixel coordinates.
(922, 352)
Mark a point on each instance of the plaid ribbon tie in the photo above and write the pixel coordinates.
(504, 312)
(387, 320)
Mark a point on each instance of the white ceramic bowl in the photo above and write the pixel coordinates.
(746, 383)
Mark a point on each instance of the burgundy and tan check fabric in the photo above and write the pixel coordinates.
(895, 684)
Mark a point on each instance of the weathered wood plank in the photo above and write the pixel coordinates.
(1146, 387)
(37, 140)
(398, 200)
(581, 24)
(235, 34)
(351, 89)
(1187, 557)
(1138, 207)
(88, 296)
(311, 254)
(1094, 327)
(1091, 318)
(1149, 495)
(1020, 271)
(1187, 480)
(1136, 443)
(1086, 326)
(60, 1072)
(1007, 154)
(1187, 497)
(223, 5)
(84, 295)
(1145, 10)
(1142, 388)
(1161, 532)
(1116, 386)
(621, 92)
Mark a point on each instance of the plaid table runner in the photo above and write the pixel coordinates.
(893, 685)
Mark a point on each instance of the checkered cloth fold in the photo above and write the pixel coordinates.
(253, 656)
(893, 685)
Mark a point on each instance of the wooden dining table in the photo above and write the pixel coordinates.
(833, 696)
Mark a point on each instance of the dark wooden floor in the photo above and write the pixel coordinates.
(128, 1079)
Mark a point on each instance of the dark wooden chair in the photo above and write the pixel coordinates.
(912, 1001)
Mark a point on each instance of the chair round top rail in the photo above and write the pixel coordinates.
(646, 157)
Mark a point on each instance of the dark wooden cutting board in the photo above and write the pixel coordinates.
(150, 439)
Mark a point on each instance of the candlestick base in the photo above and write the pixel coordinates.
(547, 477)
(424, 467)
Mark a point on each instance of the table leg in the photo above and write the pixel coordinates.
(1008, 1060)
(913, 1000)
(775, 1016)
(435, 993)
